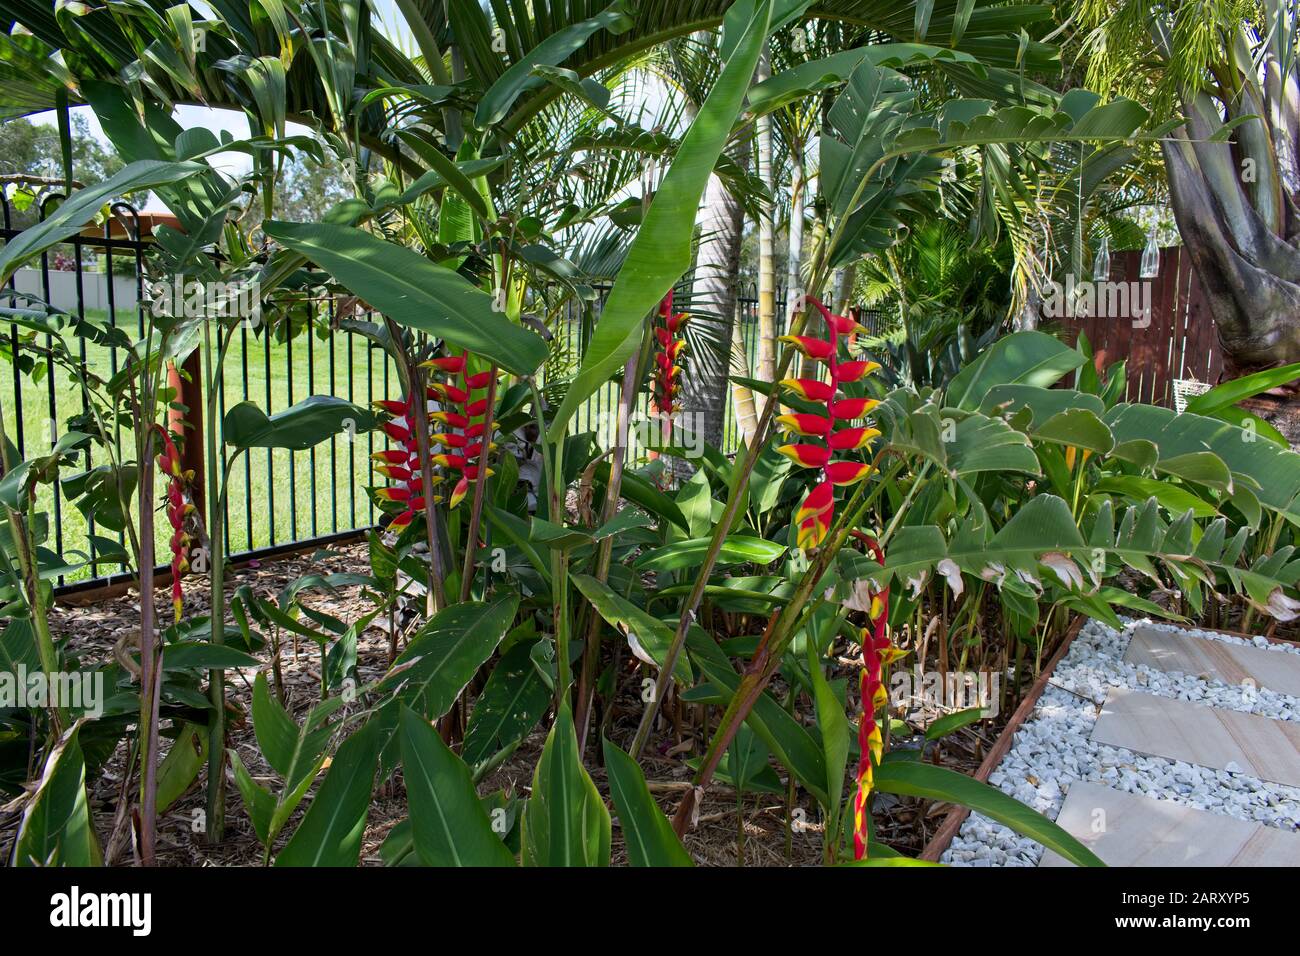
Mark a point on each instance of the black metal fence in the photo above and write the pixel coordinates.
(277, 499)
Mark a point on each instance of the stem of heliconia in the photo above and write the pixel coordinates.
(149, 686)
(739, 481)
(480, 483)
(768, 661)
(560, 579)
(216, 796)
(591, 650)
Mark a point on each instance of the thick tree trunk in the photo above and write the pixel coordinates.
(766, 245)
(794, 263)
(1256, 310)
(704, 393)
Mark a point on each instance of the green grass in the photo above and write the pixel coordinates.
(271, 495)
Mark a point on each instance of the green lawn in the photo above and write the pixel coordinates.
(271, 493)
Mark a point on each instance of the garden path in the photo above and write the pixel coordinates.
(1127, 829)
(1155, 745)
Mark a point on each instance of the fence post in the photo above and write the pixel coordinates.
(189, 424)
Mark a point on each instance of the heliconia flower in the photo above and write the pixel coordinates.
(665, 385)
(391, 456)
(877, 653)
(465, 415)
(455, 462)
(451, 364)
(809, 456)
(853, 371)
(809, 389)
(851, 439)
(812, 518)
(846, 472)
(449, 393)
(805, 424)
(844, 324)
(847, 409)
(179, 509)
(819, 349)
(396, 431)
(458, 493)
(450, 419)
(400, 465)
(398, 524)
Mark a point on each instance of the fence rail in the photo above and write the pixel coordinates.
(277, 500)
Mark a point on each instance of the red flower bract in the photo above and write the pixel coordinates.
(665, 385)
(400, 465)
(179, 508)
(876, 653)
(813, 516)
(466, 415)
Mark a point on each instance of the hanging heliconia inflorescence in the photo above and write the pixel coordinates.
(401, 465)
(179, 509)
(465, 421)
(830, 433)
(669, 344)
(876, 653)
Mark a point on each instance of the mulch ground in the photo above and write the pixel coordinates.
(753, 830)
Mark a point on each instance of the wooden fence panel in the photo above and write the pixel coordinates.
(1177, 340)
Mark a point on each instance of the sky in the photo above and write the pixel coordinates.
(234, 122)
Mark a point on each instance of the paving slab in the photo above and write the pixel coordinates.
(1209, 736)
(1217, 660)
(1127, 829)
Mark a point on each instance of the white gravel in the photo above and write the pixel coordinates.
(1052, 749)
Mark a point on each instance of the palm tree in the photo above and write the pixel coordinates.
(1233, 165)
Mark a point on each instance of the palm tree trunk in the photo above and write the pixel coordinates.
(794, 262)
(843, 288)
(743, 405)
(717, 269)
(766, 244)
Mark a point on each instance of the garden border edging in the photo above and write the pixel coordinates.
(957, 815)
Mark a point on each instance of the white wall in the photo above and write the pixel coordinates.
(63, 289)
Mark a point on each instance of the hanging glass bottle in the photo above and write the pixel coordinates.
(1101, 262)
(1151, 256)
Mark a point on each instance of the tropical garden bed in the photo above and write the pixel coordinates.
(792, 637)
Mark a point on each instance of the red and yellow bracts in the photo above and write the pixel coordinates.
(179, 509)
(465, 435)
(456, 443)
(669, 347)
(823, 435)
(401, 463)
(877, 652)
